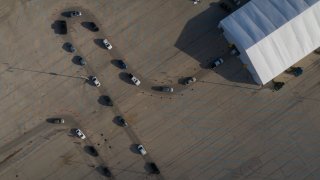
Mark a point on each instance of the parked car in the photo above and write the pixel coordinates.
(217, 62)
(92, 151)
(142, 150)
(75, 13)
(190, 80)
(107, 100)
(70, 47)
(81, 61)
(80, 134)
(58, 120)
(93, 27)
(134, 79)
(105, 171)
(107, 44)
(95, 81)
(122, 65)
(154, 168)
(61, 27)
(121, 121)
(166, 89)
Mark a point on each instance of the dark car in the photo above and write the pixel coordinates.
(166, 89)
(217, 62)
(70, 47)
(121, 121)
(91, 150)
(122, 65)
(91, 26)
(105, 171)
(108, 100)
(58, 120)
(81, 61)
(154, 168)
(62, 27)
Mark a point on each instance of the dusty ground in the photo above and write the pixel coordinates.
(222, 127)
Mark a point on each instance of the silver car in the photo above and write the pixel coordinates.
(142, 150)
(80, 134)
(95, 81)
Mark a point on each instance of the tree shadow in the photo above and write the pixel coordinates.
(99, 43)
(59, 27)
(203, 41)
(88, 149)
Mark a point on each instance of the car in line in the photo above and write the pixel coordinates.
(92, 151)
(107, 100)
(81, 61)
(217, 62)
(122, 65)
(121, 121)
(75, 13)
(95, 81)
(107, 44)
(92, 26)
(141, 150)
(154, 168)
(166, 89)
(189, 80)
(70, 47)
(80, 134)
(135, 80)
(58, 121)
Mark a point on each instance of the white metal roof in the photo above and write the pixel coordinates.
(272, 35)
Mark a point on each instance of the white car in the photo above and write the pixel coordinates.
(95, 81)
(142, 150)
(75, 13)
(134, 80)
(80, 134)
(107, 44)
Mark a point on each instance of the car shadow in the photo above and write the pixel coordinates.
(125, 77)
(134, 148)
(50, 120)
(182, 80)
(73, 132)
(75, 60)
(156, 88)
(58, 28)
(99, 42)
(147, 167)
(115, 121)
(102, 101)
(66, 14)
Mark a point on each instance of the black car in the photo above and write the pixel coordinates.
(121, 121)
(122, 65)
(70, 47)
(81, 61)
(91, 150)
(105, 171)
(93, 27)
(108, 100)
(61, 27)
(154, 168)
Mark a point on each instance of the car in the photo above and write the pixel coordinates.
(154, 168)
(122, 121)
(134, 79)
(95, 81)
(166, 89)
(122, 65)
(93, 27)
(190, 80)
(107, 44)
(61, 27)
(75, 13)
(80, 134)
(108, 100)
(58, 120)
(105, 171)
(92, 151)
(217, 62)
(141, 150)
(81, 61)
(70, 47)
